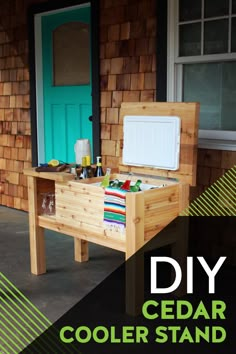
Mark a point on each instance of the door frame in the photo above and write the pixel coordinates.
(35, 69)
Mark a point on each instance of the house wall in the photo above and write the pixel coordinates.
(127, 66)
(128, 73)
(15, 140)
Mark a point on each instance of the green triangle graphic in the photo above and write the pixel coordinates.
(21, 322)
(217, 200)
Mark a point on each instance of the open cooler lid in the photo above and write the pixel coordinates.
(152, 141)
(178, 143)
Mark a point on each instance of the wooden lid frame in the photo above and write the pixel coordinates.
(189, 115)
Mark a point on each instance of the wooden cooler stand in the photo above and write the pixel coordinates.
(79, 204)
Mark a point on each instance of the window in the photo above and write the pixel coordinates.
(71, 61)
(202, 65)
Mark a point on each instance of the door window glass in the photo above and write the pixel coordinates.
(71, 59)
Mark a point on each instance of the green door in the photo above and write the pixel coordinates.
(66, 82)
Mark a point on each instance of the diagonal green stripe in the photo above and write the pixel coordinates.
(225, 201)
(219, 199)
(21, 302)
(48, 338)
(12, 333)
(183, 213)
(228, 192)
(8, 345)
(191, 214)
(221, 183)
(232, 170)
(193, 210)
(22, 336)
(215, 196)
(16, 321)
(207, 203)
(211, 200)
(231, 175)
(197, 205)
(3, 349)
(20, 313)
(26, 330)
(229, 188)
(51, 338)
(10, 339)
(202, 206)
(28, 302)
(23, 320)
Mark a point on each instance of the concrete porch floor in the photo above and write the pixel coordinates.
(66, 281)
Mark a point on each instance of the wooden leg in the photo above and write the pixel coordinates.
(81, 250)
(37, 251)
(37, 243)
(135, 261)
(134, 279)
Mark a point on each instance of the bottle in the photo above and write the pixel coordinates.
(136, 187)
(106, 179)
(73, 170)
(126, 185)
(84, 171)
(88, 166)
(99, 172)
(115, 183)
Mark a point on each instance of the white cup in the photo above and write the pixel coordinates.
(81, 148)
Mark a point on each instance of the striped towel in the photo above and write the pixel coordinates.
(115, 209)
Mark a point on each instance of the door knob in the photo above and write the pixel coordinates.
(90, 118)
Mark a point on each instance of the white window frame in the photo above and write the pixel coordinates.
(208, 139)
